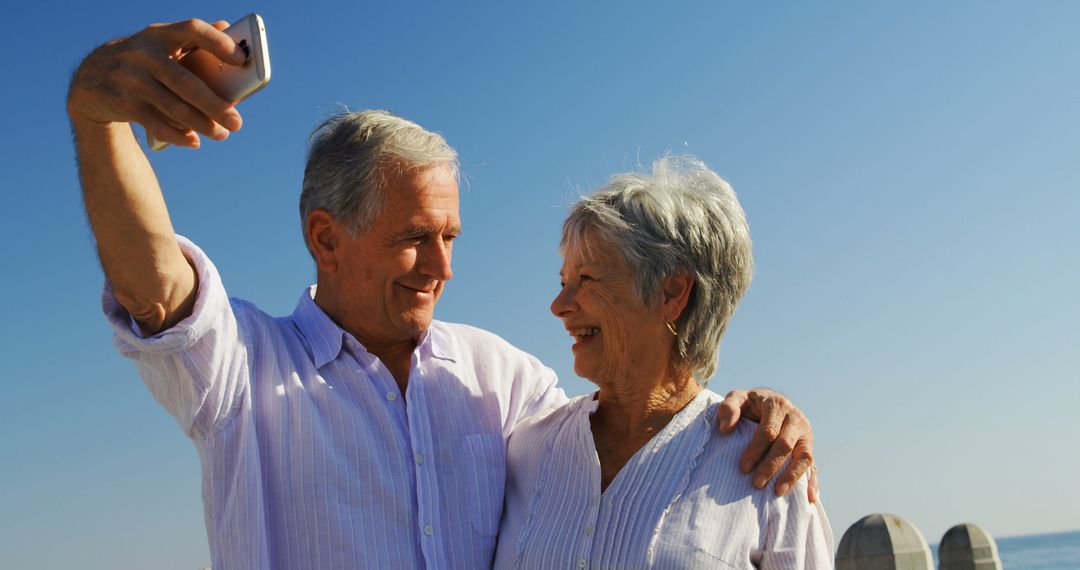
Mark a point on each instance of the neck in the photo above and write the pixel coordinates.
(627, 417)
(631, 410)
(395, 354)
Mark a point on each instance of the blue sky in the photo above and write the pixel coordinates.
(909, 171)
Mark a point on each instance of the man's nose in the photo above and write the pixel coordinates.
(435, 260)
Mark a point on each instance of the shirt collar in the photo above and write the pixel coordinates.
(325, 338)
(437, 342)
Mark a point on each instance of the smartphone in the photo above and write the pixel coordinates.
(233, 83)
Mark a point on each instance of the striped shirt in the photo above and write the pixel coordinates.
(680, 502)
(312, 458)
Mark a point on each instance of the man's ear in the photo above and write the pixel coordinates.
(324, 235)
(675, 295)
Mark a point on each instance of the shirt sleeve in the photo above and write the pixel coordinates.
(798, 535)
(198, 368)
(548, 396)
(532, 388)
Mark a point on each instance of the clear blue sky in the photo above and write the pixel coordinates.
(910, 173)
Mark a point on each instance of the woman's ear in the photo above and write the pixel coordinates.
(675, 295)
(323, 233)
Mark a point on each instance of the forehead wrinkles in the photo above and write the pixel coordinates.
(421, 217)
(593, 251)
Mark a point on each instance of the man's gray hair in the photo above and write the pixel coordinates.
(680, 218)
(352, 157)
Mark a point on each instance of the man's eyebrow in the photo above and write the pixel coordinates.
(417, 230)
(422, 230)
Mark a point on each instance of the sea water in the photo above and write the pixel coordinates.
(1058, 551)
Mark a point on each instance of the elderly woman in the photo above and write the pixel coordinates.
(636, 475)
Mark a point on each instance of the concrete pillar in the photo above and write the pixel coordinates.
(883, 542)
(968, 547)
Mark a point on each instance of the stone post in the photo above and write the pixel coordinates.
(968, 547)
(883, 542)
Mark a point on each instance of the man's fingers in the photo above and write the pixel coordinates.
(802, 460)
(778, 452)
(194, 91)
(179, 113)
(759, 445)
(121, 80)
(783, 432)
(772, 407)
(197, 33)
(159, 127)
(188, 86)
(771, 422)
(730, 410)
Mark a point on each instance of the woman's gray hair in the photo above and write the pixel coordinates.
(352, 157)
(680, 218)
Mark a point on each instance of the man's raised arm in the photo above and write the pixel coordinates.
(138, 79)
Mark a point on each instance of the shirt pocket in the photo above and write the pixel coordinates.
(703, 531)
(485, 465)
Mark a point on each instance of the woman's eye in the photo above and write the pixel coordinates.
(585, 278)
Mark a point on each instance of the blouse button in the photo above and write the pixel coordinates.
(391, 396)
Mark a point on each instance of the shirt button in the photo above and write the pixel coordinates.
(419, 457)
(581, 563)
(588, 529)
(391, 396)
(428, 530)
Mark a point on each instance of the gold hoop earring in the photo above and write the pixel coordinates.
(671, 327)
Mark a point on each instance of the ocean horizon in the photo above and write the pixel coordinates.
(1047, 551)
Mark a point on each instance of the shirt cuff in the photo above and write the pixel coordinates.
(210, 299)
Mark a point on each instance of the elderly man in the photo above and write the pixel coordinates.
(357, 432)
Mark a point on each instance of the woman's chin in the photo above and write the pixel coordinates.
(583, 371)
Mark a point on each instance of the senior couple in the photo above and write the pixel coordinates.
(359, 432)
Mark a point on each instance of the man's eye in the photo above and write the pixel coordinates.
(585, 278)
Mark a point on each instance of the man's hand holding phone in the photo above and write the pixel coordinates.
(140, 79)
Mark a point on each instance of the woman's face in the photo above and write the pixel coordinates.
(614, 333)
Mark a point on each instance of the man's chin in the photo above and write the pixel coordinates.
(415, 325)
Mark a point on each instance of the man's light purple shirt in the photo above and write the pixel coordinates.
(311, 456)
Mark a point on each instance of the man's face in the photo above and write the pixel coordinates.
(392, 275)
